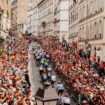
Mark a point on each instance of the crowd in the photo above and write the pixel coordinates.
(14, 82)
(83, 77)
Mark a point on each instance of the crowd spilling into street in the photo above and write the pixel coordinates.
(84, 77)
(14, 80)
(48, 76)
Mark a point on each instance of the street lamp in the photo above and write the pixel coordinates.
(46, 97)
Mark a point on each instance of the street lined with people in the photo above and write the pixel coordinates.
(47, 73)
(85, 81)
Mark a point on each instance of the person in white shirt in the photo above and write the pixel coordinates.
(65, 100)
(53, 79)
(60, 88)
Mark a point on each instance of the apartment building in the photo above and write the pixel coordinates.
(92, 26)
(14, 16)
(61, 20)
(45, 17)
(5, 17)
(73, 21)
(22, 7)
(32, 24)
(19, 15)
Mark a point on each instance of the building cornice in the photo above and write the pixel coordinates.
(93, 39)
(41, 2)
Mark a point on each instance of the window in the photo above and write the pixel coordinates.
(7, 14)
(80, 14)
(95, 29)
(7, 2)
(100, 29)
(80, 32)
(90, 6)
(0, 16)
(91, 30)
(83, 33)
(83, 14)
(87, 32)
(95, 5)
(101, 4)
(87, 13)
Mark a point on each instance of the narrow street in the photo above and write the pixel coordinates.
(52, 52)
(33, 74)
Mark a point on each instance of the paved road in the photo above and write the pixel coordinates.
(33, 74)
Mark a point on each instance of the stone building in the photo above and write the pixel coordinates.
(61, 20)
(14, 16)
(45, 17)
(73, 21)
(5, 17)
(92, 26)
(32, 24)
(19, 15)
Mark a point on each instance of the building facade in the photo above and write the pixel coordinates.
(73, 21)
(45, 17)
(32, 24)
(19, 15)
(5, 17)
(61, 20)
(14, 16)
(22, 7)
(92, 26)
(1, 14)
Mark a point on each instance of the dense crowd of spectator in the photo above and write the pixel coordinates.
(14, 82)
(85, 78)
